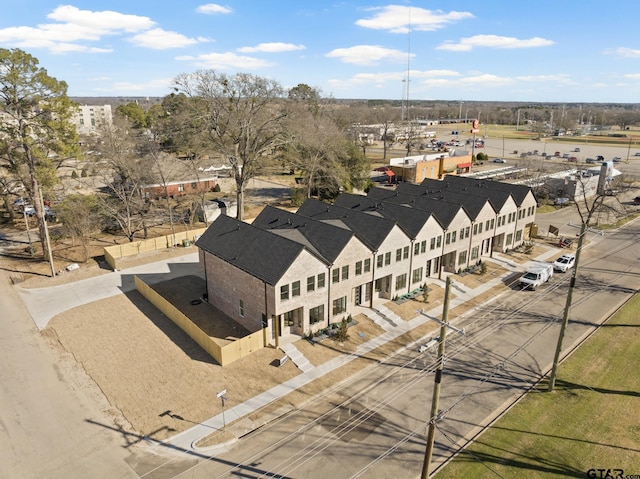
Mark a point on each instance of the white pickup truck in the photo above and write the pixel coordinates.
(535, 276)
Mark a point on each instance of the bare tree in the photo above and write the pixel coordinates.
(242, 116)
(80, 216)
(123, 173)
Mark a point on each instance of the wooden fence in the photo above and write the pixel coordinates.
(113, 254)
(224, 354)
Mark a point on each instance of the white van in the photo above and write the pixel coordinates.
(536, 275)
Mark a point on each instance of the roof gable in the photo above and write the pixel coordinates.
(260, 253)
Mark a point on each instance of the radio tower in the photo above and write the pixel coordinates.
(405, 81)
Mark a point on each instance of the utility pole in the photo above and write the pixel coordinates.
(567, 307)
(46, 235)
(433, 416)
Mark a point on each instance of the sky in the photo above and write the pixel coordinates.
(492, 50)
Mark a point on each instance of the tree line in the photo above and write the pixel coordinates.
(247, 122)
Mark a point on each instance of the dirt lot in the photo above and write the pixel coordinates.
(161, 381)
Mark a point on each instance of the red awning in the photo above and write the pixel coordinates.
(390, 173)
(464, 165)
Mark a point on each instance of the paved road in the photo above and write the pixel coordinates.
(45, 405)
(374, 425)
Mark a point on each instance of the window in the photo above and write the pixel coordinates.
(417, 275)
(416, 249)
(316, 314)
(399, 254)
(295, 289)
(499, 221)
(194, 186)
(284, 292)
(311, 283)
(448, 238)
(379, 261)
(453, 236)
(466, 231)
(474, 252)
(423, 246)
(358, 268)
(345, 272)
(288, 318)
(405, 252)
(339, 305)
(462, 258)
(462, 233)
(493, 222)
(387, 259)
(509, 238)
(321, 280)
(475, 229)
(518, 235)
(432, 245)
(401, 281)
(480, 228)
(486, 225)
(335, 275)
(439, 241)
(367, 265)
(241, 309)
(180, 187)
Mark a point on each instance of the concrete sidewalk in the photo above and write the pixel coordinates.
(45, 303)
(237, 416)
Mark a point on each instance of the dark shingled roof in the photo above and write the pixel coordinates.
(372, 230)
(473, 203)
(411, 220)
(519, 192)
(325, 239)
(262, 254)
(497, 196)
(443, 211)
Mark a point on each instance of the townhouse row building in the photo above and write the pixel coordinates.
(296, 273)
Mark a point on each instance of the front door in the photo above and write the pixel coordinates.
(357, 300)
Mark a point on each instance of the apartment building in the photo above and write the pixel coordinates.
(296, 273)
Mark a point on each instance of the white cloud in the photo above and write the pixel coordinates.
(226, 61)
(626, 52)
(494, 41)
(367, 54)
(159, 39)
(380, 79)
(632, 76)
(560, 78)
(213, 9)
(274, 47)
(402, 19)
(160, 83)
(76, 26)
(103, 22)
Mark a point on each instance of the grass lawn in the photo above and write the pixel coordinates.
(590, 421)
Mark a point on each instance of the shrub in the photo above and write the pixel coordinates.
(74, 174)
(83, 173)
(483, 268)
(216, 189)
(425, 294)
(343, 331)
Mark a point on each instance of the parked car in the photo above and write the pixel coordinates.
(572, 159)
(557, 153)
(536, 276)
(566, 155)
(616, 159)
(591, 160)
(576, 150)
(564, 262)
(637, 153)
(636, 200)
(499, 160)
(600, 158)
